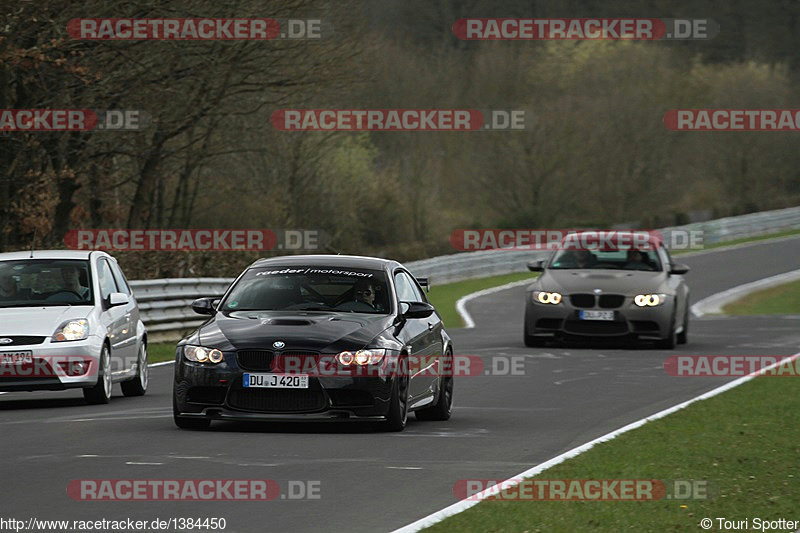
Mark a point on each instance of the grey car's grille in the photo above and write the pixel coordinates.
(611, 301)
(592, 327)
(582, 300)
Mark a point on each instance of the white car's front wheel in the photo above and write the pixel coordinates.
(138, 385)
(101, 392)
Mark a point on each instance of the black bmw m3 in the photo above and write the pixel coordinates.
(317, 337)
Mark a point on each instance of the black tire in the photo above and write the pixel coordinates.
(397, 417)
(100, 393)
(672, 340)
(683, 336)
(188, 422)
(138, 385)
(443, 408)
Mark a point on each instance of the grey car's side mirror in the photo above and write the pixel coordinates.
(118, 298)
(205, 306)
(679, 269)
(536, 266)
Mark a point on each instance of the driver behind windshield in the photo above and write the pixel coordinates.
(72, 282)
(8, 286)
(364, 292)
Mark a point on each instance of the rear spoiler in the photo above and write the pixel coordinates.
(425, 282)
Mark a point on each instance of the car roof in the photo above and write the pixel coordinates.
(48, 254)
(653, 238)
(345, 261)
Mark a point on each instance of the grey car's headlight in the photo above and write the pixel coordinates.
(362, 357)
(649, 300)
(202, 354)
(544, 297)
(72, 330)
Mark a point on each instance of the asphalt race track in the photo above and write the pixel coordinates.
(370, 481)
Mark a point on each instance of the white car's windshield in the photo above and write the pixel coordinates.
(44, 282)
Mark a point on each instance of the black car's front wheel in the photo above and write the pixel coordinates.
(443, 407)
(398, 406)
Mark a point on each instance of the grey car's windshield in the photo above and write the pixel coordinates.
(622, 259)
(45, 282)
(304, 288)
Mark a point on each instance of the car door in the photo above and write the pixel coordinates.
(113, 318)
(418, 334)
(131, 344)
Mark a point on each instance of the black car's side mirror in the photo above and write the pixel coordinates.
(679, 269)
(418, 310)
(205, 306)
(536, 266)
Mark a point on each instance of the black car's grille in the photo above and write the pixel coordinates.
(277, 400)
(644, 325)
(21, 340)
(582, 300)
(595, 327)
(611, 301)
(350, 398)
(548, 323)
(206, 395)
(269, 361)
(255, 359)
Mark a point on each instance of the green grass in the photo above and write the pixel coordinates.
(780, 300)
(765, 237)
(161, 351)
(444, 297)
(746, 442)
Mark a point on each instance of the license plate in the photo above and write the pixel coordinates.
(16, 358)
(597, 315)
(276, 381)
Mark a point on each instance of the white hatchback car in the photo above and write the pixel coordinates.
(68, 319)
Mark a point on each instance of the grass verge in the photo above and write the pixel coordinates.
(161, 351)
(746, 442)
(780, 300)
(444, 297)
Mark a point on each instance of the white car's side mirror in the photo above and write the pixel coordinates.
(118, 298)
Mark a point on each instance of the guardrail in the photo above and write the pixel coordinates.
(165, 304)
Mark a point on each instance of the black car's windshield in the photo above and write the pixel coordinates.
(45, 282)
(304, 288)
(622, 259)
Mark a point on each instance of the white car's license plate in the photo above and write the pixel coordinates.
(597, 315)
(16, 358)
(276, 381)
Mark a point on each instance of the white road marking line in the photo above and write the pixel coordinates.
(138, 463)
(162, 363)
(714, 303)
(461, 304)
(404, 467)
(463, 505)
(87, 455)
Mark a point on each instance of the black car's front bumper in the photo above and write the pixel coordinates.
(217, 392)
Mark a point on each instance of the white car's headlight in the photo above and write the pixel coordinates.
(544, 297)
(202, 354)
(649, 300)
(362, 357)
(72, 330)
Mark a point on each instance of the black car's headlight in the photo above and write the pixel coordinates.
(361, 357)
(544, 297)
(72, 330)
(202, 354)
(649, 300)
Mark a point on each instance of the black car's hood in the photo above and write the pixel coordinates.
(320, 332)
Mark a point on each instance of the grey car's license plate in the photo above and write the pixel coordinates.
(597, 315)
(16, 358)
